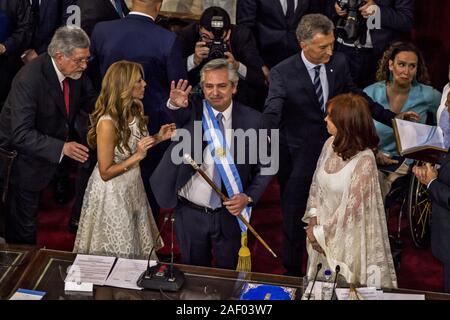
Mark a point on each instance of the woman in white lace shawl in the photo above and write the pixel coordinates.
(345, 213)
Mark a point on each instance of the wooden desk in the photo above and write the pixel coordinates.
(48, 271)
(14, 261)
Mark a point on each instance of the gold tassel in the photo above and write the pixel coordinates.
(245, 261)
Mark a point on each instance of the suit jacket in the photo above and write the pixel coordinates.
(137, 38)
(397, 16)
(293, 107)
(19, 24)
(96, 11)
(244, 50)
(439, 193)
(274, 34)
(34, 122)
(168, 178)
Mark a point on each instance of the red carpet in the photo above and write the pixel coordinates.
(418, 268)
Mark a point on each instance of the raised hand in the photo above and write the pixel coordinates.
(179, 94)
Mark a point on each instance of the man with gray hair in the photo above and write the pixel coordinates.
(41, 120)
(202, 221)
(300, 88)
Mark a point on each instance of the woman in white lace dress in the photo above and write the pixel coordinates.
(116, 218)
(345, 213)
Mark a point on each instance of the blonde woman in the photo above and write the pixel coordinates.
(116, 218)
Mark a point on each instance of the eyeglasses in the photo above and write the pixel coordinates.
(80, 61)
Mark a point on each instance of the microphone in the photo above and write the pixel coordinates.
(336, 272)
(319, 266)
(157, 277)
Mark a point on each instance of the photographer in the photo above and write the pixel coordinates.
(365, 28)
(214, 37)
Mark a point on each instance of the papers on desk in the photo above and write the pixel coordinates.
(126, 273)
(371, 293)
(90, 269)
(364, 293)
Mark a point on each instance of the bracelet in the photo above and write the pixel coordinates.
(125, 169)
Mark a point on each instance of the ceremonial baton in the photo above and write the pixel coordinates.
(191, 161)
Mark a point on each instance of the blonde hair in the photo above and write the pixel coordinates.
(116, 100)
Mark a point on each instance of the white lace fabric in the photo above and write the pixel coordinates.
(116, 219)
(351, 225)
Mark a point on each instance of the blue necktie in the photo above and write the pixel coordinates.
(318, 87)
(119, 8)
(215, 200)
(444, 124)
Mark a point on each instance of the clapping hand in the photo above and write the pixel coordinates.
(166, 132)
(425, 174)
(179, 94)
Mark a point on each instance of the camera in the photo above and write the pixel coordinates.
(349, 28)
(217, 47)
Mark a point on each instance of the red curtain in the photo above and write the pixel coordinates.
(432, 34)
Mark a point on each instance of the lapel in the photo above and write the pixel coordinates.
(331, 73)
(54, 85)
(279, 8)
(109, 9)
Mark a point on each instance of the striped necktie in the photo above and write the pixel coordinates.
(119, 9)
(215, 201)
(318, 87)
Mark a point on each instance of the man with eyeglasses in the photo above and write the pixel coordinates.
(198, 40)
(44, 116)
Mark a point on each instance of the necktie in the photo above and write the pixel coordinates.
(215, 201)
(444, 124)
(35, 12)
(290, 9)
(318, 87)
(66, 92)
(119, 9)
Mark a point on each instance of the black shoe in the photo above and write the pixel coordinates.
(62, 192)
(73, 226)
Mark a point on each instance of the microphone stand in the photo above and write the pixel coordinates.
(336, 272)
(158, 277)
(319, 266)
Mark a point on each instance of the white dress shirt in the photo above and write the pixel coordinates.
(323, 76)
(284, 5)
(141, 14)
(197, 190)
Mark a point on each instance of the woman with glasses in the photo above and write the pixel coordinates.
(116, 218)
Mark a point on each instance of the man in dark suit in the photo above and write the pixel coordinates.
(438, 184)
(202, 222)
(273, 24)
(137, 38)
(93, 12)
(388, 20)
(15, 36)
(41, 119)
(241, 52)
(300, 87)
(48, 15)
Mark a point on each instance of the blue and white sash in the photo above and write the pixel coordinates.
(223, 159)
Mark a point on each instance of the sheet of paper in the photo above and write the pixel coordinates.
(24, 294)
(316, 293)
(91, 269)
(126, 272)
(402, 296)
(367, 293)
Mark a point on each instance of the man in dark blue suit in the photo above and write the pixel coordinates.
(388, 20)
(202, 222)
(137, 38)
(300, 87)
(48, 15)
(438, 184)
(273, 24)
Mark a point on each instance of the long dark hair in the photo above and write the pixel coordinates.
(383, 72)
(355, 129)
